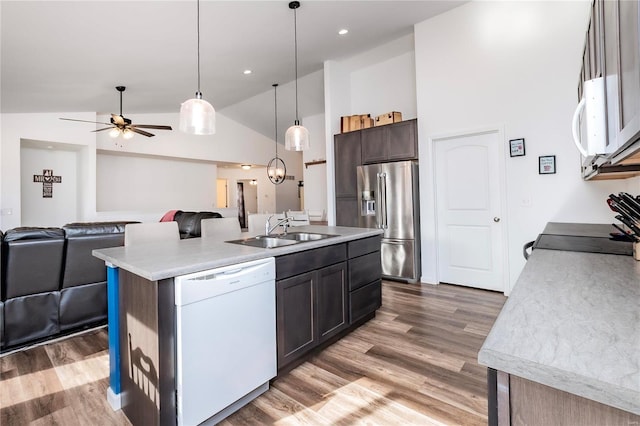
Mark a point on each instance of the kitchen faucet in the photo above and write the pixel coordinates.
(269, 229)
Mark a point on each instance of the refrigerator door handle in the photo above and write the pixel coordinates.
(382, 190)
(379, 202)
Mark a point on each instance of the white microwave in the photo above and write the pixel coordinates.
(589, 125)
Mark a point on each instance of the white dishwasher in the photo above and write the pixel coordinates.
(225, 339)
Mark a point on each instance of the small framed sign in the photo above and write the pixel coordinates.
(547, 164)
(516, 147)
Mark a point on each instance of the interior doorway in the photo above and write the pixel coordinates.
(469, 170)
(222, 193)
(247, 199)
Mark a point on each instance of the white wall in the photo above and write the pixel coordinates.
(374, 82)
(511, 64)
(152, 184)
(44, 128)
(232, 143)
(387, 86)
(61, 208)
(315, 176)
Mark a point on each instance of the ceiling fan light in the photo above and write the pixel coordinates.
(114, 133)
(197, 117)
(127, 134)
(296, 138)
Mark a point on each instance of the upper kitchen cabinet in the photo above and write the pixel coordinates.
(347, 158)
(392, 142)
(628, 119)
(612, 51)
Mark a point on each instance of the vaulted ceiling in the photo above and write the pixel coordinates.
(61, 56)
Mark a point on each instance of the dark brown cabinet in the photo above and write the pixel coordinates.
(321, 293)
(365, 269)
(311, 300)
(347, 212)
(332, 296)
(348, 157)
(295, 316)
(393, 142)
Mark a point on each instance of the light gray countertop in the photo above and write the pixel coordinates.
(572, 322)
(173, 258)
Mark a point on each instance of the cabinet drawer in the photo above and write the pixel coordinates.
(309, 260)
(365, 300)
(364, 246)
(364, 269)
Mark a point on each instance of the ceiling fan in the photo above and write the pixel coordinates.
(121, 125)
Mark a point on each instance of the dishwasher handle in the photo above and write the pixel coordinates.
(206, 284)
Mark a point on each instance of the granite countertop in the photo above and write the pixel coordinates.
(158, 261)
(572, 322)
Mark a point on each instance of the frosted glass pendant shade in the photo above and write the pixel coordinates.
(197, 117)
(296, 138)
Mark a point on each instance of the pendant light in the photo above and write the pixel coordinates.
(276, 169)
(297, 136)
(197, 116)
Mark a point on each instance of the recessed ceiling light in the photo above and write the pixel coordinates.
(247, 72)
(246, 167)
(343, 31)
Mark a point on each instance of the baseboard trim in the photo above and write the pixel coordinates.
(115, 401)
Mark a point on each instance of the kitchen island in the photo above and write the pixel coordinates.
(566, 346)
(324, 288)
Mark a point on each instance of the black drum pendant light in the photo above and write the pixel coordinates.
(197, 116)
(276, 169)
(297, 136)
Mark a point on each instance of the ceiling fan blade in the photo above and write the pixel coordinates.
(151, 126)
(85, 121)
(106, 128)
(117, 120)
(141, 132)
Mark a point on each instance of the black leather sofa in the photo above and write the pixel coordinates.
(51, 284)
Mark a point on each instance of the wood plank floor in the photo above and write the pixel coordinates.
(414, 364)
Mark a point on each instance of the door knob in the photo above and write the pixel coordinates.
(496, 219)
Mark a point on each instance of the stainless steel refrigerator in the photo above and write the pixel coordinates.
(388, 199)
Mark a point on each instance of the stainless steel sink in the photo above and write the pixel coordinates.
(264, 242)
(271, 241)
(305, 236)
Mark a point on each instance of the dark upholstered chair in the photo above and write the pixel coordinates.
(83, 294)
(32, 266)
(189, 222)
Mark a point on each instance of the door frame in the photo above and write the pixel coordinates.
(433, 139)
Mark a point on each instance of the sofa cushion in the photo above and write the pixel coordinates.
(80, 266)
(83, 305)
(94, 228)
(32, 261)
(32, 233)
(30, 317)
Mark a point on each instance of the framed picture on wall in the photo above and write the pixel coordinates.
(516, 147)
(547, 164)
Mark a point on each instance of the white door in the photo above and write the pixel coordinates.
(468, 207)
